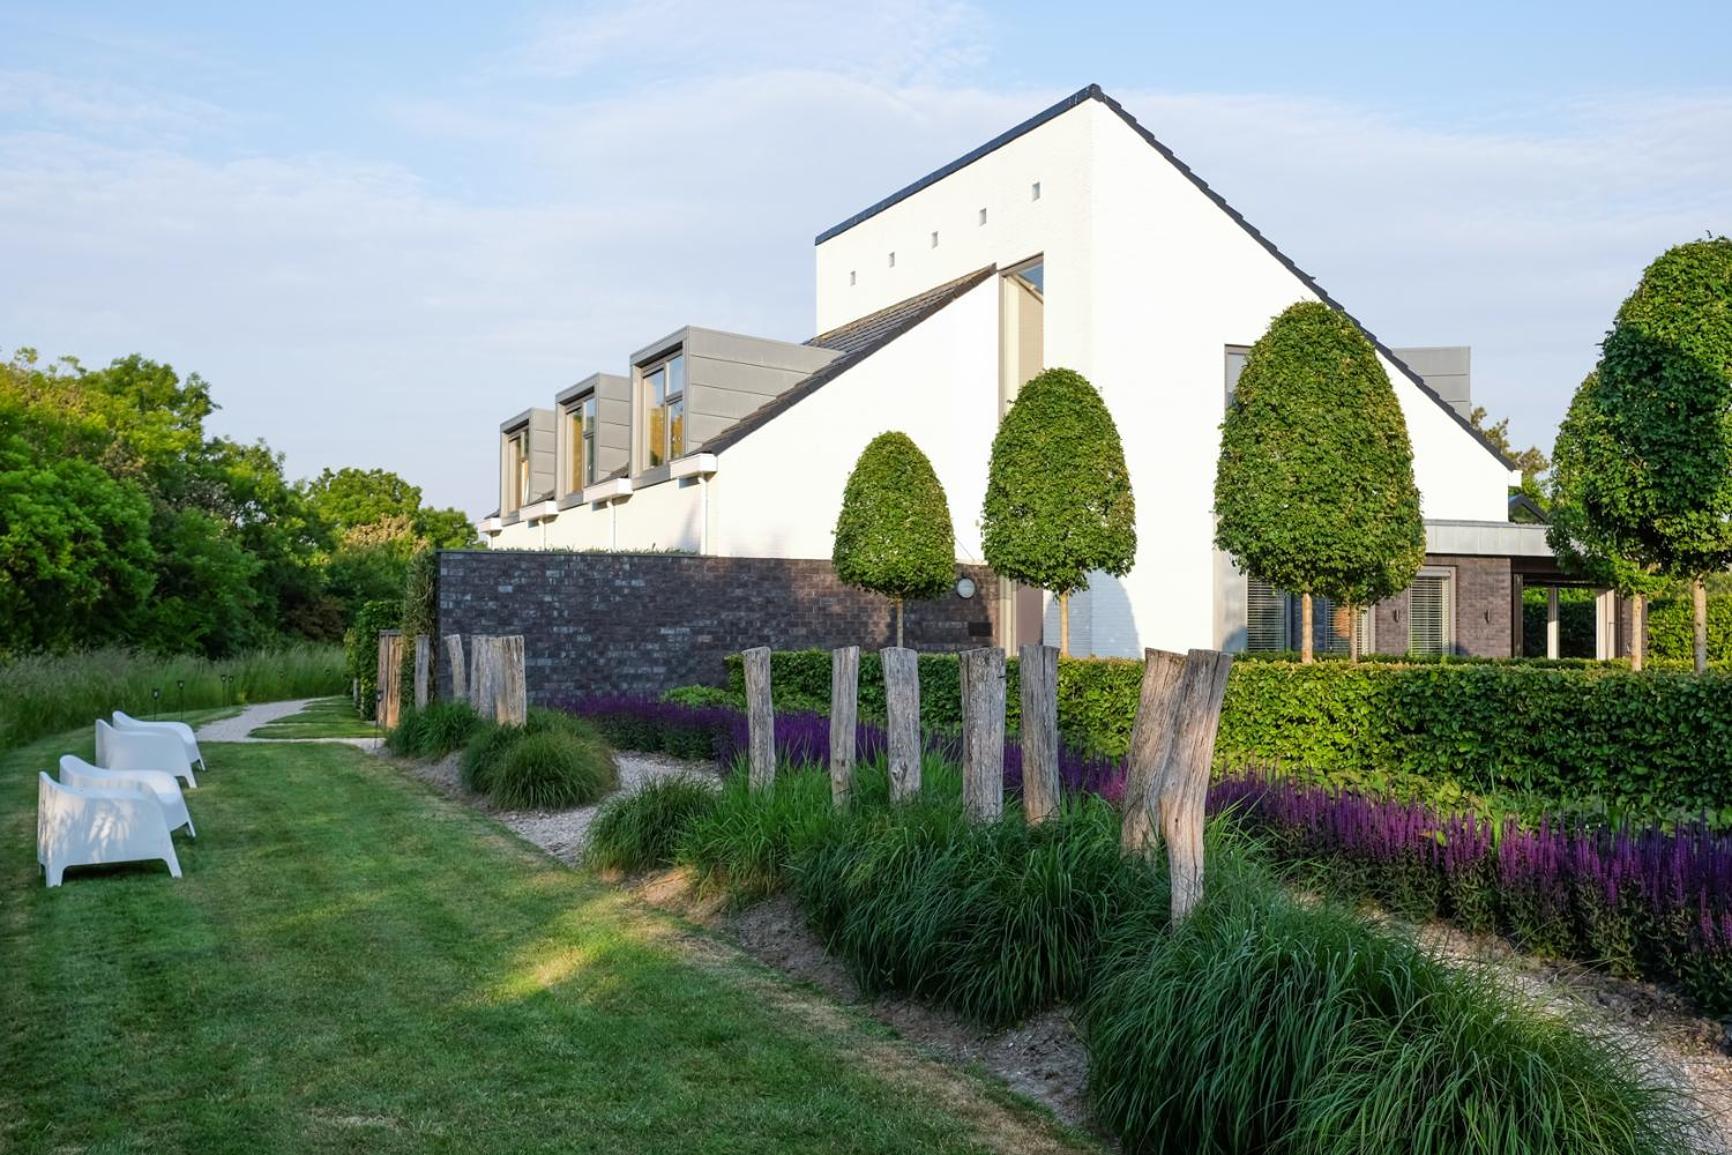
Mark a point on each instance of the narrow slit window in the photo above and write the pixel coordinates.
(851, 276)
(983, 216)
(935, 240)
(893, 259)
(1034, 192)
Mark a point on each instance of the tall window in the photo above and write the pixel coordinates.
(1236, 355)
(1431, 613)
(665, 408)
(517, 471)
(1266, 618)
(580, 443)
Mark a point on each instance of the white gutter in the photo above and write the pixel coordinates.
(613, 487)
(541, 510)
(490, 525)
(695, 465)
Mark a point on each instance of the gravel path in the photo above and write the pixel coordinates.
(240, 727)
(562, 833)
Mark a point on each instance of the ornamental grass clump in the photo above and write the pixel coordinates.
(434, 730)
(644, 830)
(553, 770)
(1263, 1025)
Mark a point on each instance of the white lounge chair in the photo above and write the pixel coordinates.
(142, 750)
(125, 721)
(81, 775)
(92, 827)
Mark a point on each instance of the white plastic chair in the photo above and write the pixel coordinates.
(81, 775)
(94, 827)
(124, 721)
(142, 750)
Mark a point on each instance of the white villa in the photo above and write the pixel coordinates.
(1075, 239)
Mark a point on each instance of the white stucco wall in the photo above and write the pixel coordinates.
(779, 489)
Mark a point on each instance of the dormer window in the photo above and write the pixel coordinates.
(664, 393)
(517, 471)
(580, 419)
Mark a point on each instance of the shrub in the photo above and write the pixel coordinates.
(644, 830)
(742, 847)
(361, 647)
(893, 534)
(1265, 1026)
(700, 696)
(550, 770)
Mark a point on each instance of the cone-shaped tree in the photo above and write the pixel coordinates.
(893, 535)
(1666, 393)
(1058, 495)
(1314, 492)
(1592, 485)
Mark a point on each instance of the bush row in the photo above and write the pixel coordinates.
(1651, 903)
(1651, 743)
(550, 762)
(1261, 1025)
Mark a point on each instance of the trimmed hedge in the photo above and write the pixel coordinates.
(1653, 743)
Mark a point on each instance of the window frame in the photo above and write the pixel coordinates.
(1229, 379)
(1447, 634)
(666, 446)
(517, 472)
(580, 469)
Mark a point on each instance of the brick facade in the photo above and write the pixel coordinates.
(1483, 593)
(641, 623)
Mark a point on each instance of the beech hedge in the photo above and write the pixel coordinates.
(1657, 742)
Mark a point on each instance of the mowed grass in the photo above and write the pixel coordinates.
(355, 964)
(323, 718)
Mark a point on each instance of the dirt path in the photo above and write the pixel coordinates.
(240, 727)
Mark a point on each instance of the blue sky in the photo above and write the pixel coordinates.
(379, 229)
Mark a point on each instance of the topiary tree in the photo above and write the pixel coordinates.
(1666, 393)
(1058, 495)
(1592, 482)
(893, 535)
(1314, 492)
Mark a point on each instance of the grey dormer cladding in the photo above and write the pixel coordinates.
(540, 426)
(729, 376)
(613, 424)
(1448, 370)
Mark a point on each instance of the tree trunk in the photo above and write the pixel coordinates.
(1038, 675)
(1064, 625)
(1353, 639)
(760, 719)
(902, 710)
(898, 623)
(1151, 737)
(983, 734)
(1176, 798)
(1305, 654)
(1638, 630)
(1699, 611)
(844, 731)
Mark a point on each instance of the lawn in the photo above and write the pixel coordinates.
(322, 718)
(354, 963)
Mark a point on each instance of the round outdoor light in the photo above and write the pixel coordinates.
(965, 587)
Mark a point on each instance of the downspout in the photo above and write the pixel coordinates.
(703, 514)
(613, 525)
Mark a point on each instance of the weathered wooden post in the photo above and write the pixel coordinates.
(423, 670)
(983, 734)
(1151, 738)
(478, 695)
(844, 729)
(390, 676)
(760, 718)
(1180, 789)
(902, 707)
(454, 662)
(511, 683)
(1038, 670)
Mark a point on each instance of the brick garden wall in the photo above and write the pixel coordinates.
(641, 623)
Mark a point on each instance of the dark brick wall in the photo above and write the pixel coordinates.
(641, 623)
(1482, 609)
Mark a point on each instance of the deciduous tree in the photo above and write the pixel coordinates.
(893, 535)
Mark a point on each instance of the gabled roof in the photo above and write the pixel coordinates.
(1094, 92)
(856, 341)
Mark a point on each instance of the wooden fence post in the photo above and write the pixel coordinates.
(983, 734)
(760, 718)
(844, 713)
(423, 670)
(478, 674)
(1151, 738)
(454, 662)
(902, 707)
(511, 684)
(1180, 789)
(1038, 670)
(390, 676)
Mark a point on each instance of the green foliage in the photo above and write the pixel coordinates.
(1671, 629)
(699, 696)
(644, 830)
(42, 693)
(490, 746)
(1575, 623)
(433, 732)
(1666, 394)
(1058, 494)
(1314, 492)
(1267, 1026)
(552, 770)
(420, 615)
(361, 647)
(893, 535)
